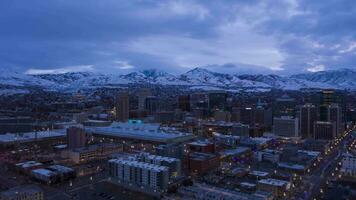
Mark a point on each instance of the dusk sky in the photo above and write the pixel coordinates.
(119, 36)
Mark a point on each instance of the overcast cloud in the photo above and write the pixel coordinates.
(119, 36)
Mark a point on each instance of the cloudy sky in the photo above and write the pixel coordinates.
(118, 36)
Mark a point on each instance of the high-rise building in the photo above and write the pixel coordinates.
(324, 130)
(152, 105)
(217, 100)
(184, 102)
(122, 107)
(308, 114)
(239, 129)
(284, 106)
(142, 95)
(220, 115)
(76, 137)
(334, 114)
(140, 174)
(286, 126)
(199, 101)
(326, 99)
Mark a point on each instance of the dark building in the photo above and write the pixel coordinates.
(308, 114)
(152, 105)
(184, 102)
(324, 130)
(122, 107)
(217, 100)
(327, 97)
(76, 137)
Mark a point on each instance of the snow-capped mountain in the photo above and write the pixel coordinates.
(195, 78)
(286, 83)
(343, 78)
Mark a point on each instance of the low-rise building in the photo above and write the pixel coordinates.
(348, 167)
(23, 192)
(269, 155)
(93, 152)
(207, 192)
(173, 164)
(139, 174)
(276, 186)
(203, 162)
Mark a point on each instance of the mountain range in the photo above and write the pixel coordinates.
(197, 78)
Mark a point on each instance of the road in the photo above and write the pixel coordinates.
(329, 162)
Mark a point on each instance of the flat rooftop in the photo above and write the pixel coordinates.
(145, 132)
(31, 136)
(142, 165)
(274, 182)
(16, 191)
(236, 151)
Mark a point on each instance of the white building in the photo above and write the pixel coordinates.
(173, 164)
(348, 167)
(139, 174)
(286, 126)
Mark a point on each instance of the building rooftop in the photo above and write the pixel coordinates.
(60, 168)
(44, 172)
(28, 164)
(291, 166)
(236, 151)
(202, 189)
(31, 136)
(138, 164)
(15, 191)
(274, 182)
(146, 132)
(201, 156)
(258, 173)
(159, 158)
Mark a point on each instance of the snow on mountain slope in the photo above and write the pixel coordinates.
(14, 78)
(205, 77)
(195, 78)
(343, 78)
(286, 83)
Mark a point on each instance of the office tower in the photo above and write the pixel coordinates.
(327, 97)
(324, 130)
(199, 105)
(284, 106)
(220, 115)
(240, 130)
(334, 114)
(286, 126)
(184, 102)
(199, 101)
(263, 116)
(142, 95)
(122, 107)
(308, 114)
(76, 137)
(152, 104)
(217, 100)
(173, 164)
(247, 115)
(150, 176)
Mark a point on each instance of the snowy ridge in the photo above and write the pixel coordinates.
(194, 79)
